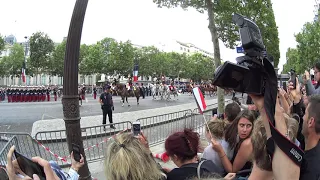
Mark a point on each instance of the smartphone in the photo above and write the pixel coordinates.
(76, 152)
(220, 116)
(136, 128)
(293, 77)
(29, 167)
(284, 86)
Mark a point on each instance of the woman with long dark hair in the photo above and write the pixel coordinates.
(310, 89)
(238, 136)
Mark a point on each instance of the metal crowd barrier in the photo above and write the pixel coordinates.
(158, 128)
(5, 149)
(23, 141)
(94, 141)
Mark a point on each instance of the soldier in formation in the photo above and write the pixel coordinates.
(29, 93)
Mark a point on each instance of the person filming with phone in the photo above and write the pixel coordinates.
(38, 169)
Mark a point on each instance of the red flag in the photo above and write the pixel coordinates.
(198, 96)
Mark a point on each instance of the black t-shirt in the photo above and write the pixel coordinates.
(189, 171)
(310, 168)
(106, 98)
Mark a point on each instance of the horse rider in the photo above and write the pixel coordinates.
(171, 87)
(129, 84)
(163, 80)
(191, 83)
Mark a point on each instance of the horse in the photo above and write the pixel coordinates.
(125, 93)
(189, 88)
(173, 92)
(163, 89)
(154, 90)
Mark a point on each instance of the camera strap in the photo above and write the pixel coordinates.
(270, 97)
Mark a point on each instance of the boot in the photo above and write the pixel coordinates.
(112, 127)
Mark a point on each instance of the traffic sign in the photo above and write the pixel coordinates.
(240, 50)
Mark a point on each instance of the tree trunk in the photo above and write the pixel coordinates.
(216, 47)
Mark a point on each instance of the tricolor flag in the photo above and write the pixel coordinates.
(23, 72)
(135, 72)
(198, 96)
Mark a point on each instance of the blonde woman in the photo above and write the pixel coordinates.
(216, 128)
(128, 158)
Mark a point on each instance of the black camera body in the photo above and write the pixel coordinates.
(247, 76)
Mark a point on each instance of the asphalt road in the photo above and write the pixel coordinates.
(19, 117)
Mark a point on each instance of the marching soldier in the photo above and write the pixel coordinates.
(9, 95)
(48, 93)
(44, 93)
(83, 92)
(55, 93)
(94, 92)
(26, 95)
(40, 94)
(36, 95)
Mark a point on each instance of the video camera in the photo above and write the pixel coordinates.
(247, 76)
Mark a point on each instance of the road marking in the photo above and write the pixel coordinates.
(129, 109)
(9, 126)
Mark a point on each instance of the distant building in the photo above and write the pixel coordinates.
(181, 47)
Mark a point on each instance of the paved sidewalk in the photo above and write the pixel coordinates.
(58, 124)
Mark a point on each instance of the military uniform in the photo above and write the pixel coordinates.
(130, 84)
(83, 93)
(55, 94)
(94, 92)
(48, 94)
(9, 95)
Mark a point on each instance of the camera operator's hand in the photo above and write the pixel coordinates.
(296, 93)
(214, 117)
(144, 140)
(216, 146)
(282, 92)
(258, 101)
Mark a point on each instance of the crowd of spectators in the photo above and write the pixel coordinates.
(237, 144)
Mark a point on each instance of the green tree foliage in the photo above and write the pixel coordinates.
(124, 58)
(200, 68)
(260, 11)
(12, 64)
(93, 62)
(307, 51)
(110, 54)
(2, 44)
(56, 65)
(41, 47)
(293, 61)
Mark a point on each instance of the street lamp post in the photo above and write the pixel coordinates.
(70, 101)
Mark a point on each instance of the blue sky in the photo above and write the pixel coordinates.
(140, 21)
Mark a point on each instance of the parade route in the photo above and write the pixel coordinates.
(19, 117)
